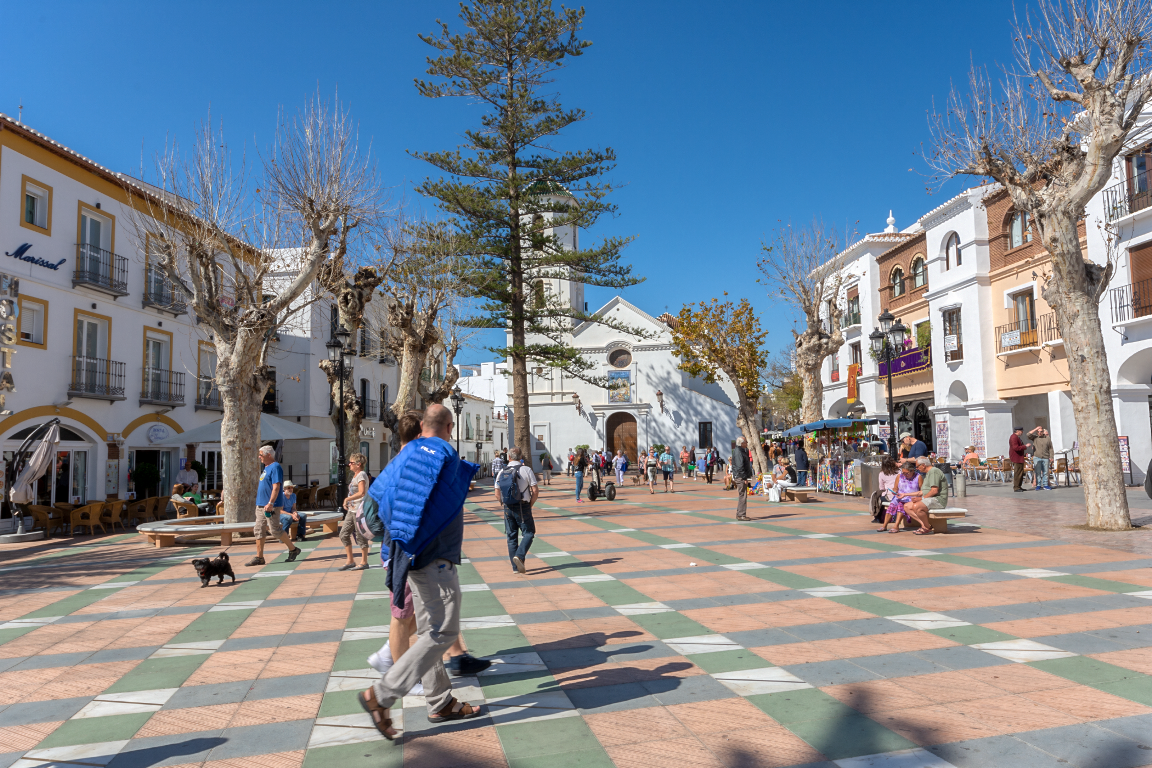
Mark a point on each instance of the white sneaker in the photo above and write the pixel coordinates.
(417, 690)
(381, 660)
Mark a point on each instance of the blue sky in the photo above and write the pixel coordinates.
(727, 118)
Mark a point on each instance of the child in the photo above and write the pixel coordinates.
(289, 514)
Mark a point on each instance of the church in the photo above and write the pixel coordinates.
(651, 401)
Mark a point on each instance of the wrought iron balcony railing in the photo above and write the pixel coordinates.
(160, 292)
(100, 269)
(160, 387)
(1131, 301)
(97, 379)
(370, 407)
(1027, 333)
(1129, 196)
(208, 398)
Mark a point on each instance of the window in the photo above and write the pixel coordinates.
(270, 404)
(157, 363)
(897, 282)
(919, 272)
(363, 341)
(705, 434)
(1019, 230)
(206, 393)
(854, 350)
(1024, 309)
(854, 310)
(467, 428)
(33, 322)
(953, 338)
(36, 206)
(836, 366)
(952, 251)
(620, 358)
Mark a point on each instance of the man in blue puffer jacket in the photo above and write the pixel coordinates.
(420, 498)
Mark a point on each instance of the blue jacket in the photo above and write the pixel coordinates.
(421, 491)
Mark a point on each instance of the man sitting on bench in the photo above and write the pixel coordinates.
(783, 477)
(933, 494)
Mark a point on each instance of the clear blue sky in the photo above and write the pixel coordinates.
(727, 117)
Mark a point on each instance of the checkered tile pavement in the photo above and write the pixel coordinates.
(649, 631)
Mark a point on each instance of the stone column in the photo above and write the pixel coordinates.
(992, 421)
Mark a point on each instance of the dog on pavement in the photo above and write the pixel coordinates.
(219, 567)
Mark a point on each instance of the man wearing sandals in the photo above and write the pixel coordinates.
(933, 494)
(431, 572)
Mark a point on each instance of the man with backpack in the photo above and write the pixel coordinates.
(516, 491)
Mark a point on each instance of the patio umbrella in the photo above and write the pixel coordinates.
(23, 486)
(271, 428)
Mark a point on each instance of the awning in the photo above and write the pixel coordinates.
(816, 426)
(271, 428)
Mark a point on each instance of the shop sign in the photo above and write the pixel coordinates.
(950, 343)
(21, 253)
(9, 317)
(1010, 339)
(158, 433)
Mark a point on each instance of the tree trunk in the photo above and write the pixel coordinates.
(746, 421)
(353, 408)
(240, 439)
(1072, 294)
(810, 356)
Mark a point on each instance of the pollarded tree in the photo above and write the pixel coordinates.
(804, 268)
(712, 338)
(512, 194)
(1051, 133)
(246, 260)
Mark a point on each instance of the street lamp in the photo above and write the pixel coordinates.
(457, 406)
(337, 351)
(887, 344)
(479, 446)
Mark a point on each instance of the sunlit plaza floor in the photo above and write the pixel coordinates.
(651, 631)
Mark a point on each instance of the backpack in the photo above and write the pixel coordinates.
(624, 465)
(509, 487)
(370, 515)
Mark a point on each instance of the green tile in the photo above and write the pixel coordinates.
(496, 641)
(716, 558)
(367, 754)
(1102, 584)
(369, 613)
(797, 706)
(152, 674)
(972, 635)
(213, 626)
(786, 579)
(671, 624)
(255, 589)
(878, 605)
(517, 684)
(94, 730)
(373, 579)
(1136, 688)
(69, 604)
(338, 703)
(728, 661)
(1086, 671)
(353, 654)
(972, 562)
(467, 571)
(476, 604)
(8, 635)
(876, 544)
(649, 538)
(584, 758)
(850, 735)
(616, 593)
(546, 737)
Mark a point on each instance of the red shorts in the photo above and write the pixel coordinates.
(408, 611)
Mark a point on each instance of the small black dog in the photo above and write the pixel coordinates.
(206, 569)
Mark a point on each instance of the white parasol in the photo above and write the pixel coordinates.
(24, 487)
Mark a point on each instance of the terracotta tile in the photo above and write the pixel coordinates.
(637, 726)
(673, 753)
(1050, 557)
(168, 722)
(947, 687)
(1013, 714)
(795, 653)
(275, 760)
(20, 738)
(474, 748)
(933, 725)
(1017, 678)
(718, 716)
(770, 746)
(1087, 704)
(877, 696)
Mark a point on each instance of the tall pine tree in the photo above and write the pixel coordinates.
(512, 194)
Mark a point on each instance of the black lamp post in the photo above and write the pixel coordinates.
(887, 344)
(478, 447)
(336, 353)
(457, 407)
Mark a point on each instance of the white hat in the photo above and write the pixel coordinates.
(905, 434)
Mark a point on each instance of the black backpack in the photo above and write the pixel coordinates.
(509, 487)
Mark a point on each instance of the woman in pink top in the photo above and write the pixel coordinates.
(907, 482)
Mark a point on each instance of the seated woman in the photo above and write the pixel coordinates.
(783, 476)
(289, 514)
(177, 495)
(889, 478)
(907, 491)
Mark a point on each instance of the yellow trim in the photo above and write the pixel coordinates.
(144, 358)
(150, 418)
(50, 410)
(81, 206)
(76, 313)
(43, 303)
(24, 181)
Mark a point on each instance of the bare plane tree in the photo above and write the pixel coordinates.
(1050, 133)
(246, 260)
(803, 266)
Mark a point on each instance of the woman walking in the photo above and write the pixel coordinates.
(620, 464)
(350, 528)
(581, 466)
(650, 467)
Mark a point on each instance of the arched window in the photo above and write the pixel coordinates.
(1019, 230)
(952, 251)
(919, 272)
(897, 282)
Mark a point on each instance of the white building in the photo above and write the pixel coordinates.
(106, 344)
(488, 381)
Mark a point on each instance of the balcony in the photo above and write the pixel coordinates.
(1027, 334)
(849, 319)
(1129, 196)
(100, 269)
(96, 379)
(1130, 302)
(160, 292)
(386, 359)
(159, 387)
(370, 407)
(914, 360)
(208, 398)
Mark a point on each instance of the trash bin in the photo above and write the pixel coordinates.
(869, 478)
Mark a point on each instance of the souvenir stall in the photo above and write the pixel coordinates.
(836, 448)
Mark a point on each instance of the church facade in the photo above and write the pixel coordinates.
(651, 401)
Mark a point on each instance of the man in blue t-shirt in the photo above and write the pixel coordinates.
(269, 504)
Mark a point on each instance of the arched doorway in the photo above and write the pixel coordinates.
(922, 425)
(621, 432)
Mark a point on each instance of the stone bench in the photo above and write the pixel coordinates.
(163, 533)
(799, 494)
(940, 517)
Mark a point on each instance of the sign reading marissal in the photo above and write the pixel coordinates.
(22, 254)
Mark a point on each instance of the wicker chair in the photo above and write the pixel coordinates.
(46, 518)
(186, 509)
(87, 516)
(112, 512)
(136, 511)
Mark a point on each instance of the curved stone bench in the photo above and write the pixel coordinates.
(164, 532)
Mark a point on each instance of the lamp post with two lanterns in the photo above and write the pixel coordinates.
(337, 351)
(887, 345)
(457, 407)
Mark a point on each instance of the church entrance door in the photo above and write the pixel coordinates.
(621, 429)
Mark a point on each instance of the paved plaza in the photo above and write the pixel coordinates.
(649, 632)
